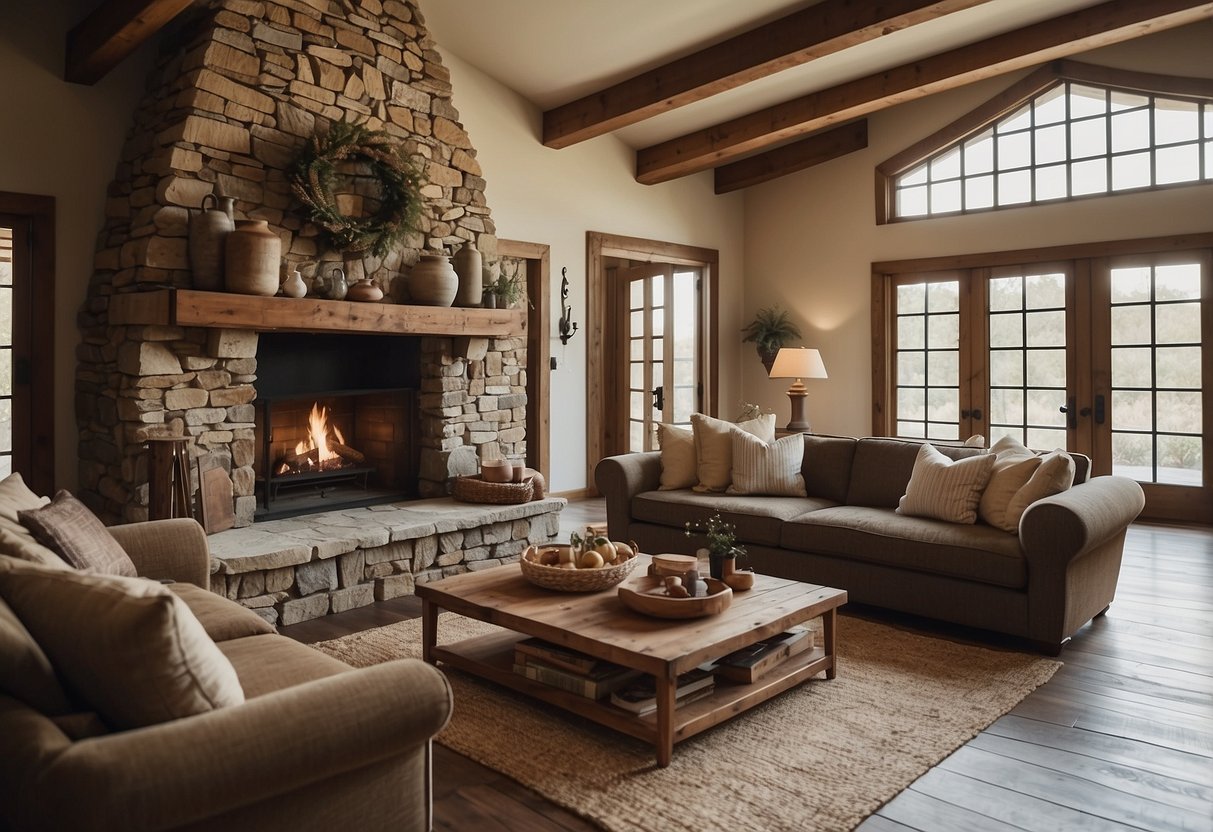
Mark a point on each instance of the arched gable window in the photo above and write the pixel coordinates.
(1067, 131)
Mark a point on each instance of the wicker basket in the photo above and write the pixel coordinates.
(475, 490)
(574, 580)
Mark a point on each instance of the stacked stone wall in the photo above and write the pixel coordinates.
(239, 88)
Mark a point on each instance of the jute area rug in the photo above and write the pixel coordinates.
(822, 756)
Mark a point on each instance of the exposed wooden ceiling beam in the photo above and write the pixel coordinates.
(829, 26)
(114, 30)
(790, 158)
(1080, 31)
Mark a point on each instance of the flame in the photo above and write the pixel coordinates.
(318, 435)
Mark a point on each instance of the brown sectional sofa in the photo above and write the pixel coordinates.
(1042, 584)
(316, 745)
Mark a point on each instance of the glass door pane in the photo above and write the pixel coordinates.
(927, 359)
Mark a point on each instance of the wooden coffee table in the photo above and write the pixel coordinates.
(599, 624)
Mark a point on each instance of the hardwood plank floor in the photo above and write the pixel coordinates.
(1120, 739)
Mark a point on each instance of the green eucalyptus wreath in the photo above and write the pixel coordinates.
(314, 174)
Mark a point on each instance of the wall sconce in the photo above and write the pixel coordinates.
(568, 327)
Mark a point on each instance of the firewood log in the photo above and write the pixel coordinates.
(346, 452)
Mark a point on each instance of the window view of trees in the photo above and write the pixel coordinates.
(928, 360)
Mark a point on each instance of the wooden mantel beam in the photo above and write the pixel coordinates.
(821, 29)
(1107, 23)
(114, 30)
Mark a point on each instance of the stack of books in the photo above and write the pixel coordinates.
(640, 697)
(749, 664)
(569, 670)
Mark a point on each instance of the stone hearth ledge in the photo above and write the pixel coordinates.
(304, 567)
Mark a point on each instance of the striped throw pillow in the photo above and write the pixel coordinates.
(771, 468)
(944, 489)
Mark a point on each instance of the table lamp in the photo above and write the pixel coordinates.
(798, 363)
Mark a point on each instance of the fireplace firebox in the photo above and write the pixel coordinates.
(337, 422)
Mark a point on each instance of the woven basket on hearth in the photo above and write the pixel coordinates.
(472, 489)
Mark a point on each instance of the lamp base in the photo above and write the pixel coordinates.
(799, 422)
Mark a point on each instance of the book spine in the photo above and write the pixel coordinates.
(566, 661)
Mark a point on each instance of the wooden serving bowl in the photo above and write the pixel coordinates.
(647, 595)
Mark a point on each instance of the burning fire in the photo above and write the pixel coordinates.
(317, 452)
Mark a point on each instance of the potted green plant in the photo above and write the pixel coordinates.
(721, 538)
(770, 330)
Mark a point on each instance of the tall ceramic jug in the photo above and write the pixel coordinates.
(253, 254)
(207, 234)
(467, 263)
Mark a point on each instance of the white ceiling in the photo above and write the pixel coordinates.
(555, 51)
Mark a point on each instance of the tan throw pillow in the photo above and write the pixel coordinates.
(67, 527)
(17, 542)
(15, 496)
(1014, 465)
(714, 447)
(127, 647)
(1055, 475)
(25, 671)
(678, 468)
(944, 489)
(770, 468)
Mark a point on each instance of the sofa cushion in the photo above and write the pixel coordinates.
(15, 496)
(127, 647)
(17, 542)
(827, 465)
(1054, 475)
(771, 468)
(222, 619)
(882, 468)
(714, 447)
(758, 519)
(25, 671)
(1014, 464)
(68, 528)
(946, 489)
(266, 663)
(678, 468)
(973, 553)
(15, 539)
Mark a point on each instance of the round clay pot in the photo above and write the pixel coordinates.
(253, 253)
(432, 282)
(364, 290)
(208, 232)
(497, 470)
(469, 266)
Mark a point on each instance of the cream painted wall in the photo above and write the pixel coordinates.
(554, 197)
(63, 140)
(811, 237)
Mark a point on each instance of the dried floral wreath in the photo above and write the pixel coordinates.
(314, 174)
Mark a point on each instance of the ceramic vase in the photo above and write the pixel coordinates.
(469, 268)
(432, 282)
(337, 287)
(293, 286)
(208, 230)
(253, 253)
(365, 291)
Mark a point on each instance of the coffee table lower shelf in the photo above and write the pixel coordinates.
(491, 657)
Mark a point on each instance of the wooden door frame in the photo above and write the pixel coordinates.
(34, 338)
(538, 350)
(598, 246)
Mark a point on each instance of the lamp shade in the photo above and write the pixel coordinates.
(798, 362)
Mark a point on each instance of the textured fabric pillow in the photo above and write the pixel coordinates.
(72, 531)
(17, 542)
(678, 469)
(15, 539)
(1014, 465)
(944, 489)
(25, 671)
(714, 447)
(127, 647)
(771, 468)
(1055, 475)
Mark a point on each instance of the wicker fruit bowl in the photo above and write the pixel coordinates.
(566, 579)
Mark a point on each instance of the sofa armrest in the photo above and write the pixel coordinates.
(173, 549)
(180, 772)
(1058, 529)
(619, 479)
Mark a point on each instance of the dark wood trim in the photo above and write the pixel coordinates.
(793, 157)
(113, 31)
(1080, 31)
(803, 36)
(538, 350)
(33, 220)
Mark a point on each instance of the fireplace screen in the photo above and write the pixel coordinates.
(322, 457)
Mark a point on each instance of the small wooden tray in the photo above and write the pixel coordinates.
(647, 596)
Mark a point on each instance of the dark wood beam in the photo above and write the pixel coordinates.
(1108, 23)
(829, 26)
(790, 158)
(114, 30)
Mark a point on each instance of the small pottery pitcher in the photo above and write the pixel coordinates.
(364, 290)
(336, 285)
(253, 255)
(208, 230)
(293, 286)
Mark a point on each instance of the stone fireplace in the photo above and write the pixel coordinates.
(239, 88)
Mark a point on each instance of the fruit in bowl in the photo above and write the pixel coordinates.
(583, 565)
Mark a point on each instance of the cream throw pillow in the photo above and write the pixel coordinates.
(714, 447)
(15, 539)
(1055, 475)
(678, 468)
(127, 647)
(771, 468)
(1014, 465)
(944, 489)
